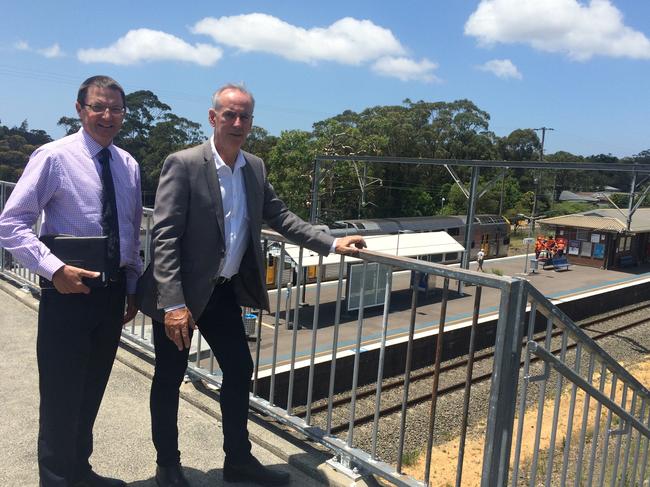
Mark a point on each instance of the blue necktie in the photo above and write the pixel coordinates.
(110, 224)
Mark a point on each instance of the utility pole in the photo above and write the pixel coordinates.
(537, 179)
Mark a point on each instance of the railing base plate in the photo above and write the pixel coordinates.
(352, 473)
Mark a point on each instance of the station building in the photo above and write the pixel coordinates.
(600, 238)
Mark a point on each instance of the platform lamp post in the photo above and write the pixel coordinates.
(530, 239)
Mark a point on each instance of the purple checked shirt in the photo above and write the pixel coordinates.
(62, 180)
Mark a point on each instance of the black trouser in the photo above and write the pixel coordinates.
(77, 339)
(221, 326)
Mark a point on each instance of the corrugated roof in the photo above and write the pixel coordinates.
(569, 196)
(611, 220)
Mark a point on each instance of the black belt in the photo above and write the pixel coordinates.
(117, 276)
(221, 280)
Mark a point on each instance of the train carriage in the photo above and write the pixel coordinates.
(489, 232)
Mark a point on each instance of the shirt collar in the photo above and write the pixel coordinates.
(240, 162)
(92, 145)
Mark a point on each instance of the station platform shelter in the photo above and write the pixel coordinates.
(601, 238)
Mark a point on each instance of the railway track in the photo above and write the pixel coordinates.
(452, 377)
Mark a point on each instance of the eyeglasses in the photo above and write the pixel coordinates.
(102, 109)
(231, 116)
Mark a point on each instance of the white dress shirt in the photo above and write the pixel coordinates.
(235, 213)
(235, 210)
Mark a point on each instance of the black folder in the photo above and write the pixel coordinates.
(90, 253)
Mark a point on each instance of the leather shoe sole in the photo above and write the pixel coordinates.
(254, 471)
(95, 480)
(171, 476)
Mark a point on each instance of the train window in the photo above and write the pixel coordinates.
(453, 231)
(451, 256)
(436, 258)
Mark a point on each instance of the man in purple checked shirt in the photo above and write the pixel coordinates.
(85, 186)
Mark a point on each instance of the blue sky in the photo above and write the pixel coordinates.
(580, 67)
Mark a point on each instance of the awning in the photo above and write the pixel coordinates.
(401, 245)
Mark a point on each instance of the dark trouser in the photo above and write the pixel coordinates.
(77, 339)
(221, 326)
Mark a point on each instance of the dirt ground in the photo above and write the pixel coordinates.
(445, 457)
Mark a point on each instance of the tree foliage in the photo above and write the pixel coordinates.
(16, 145)
(454, 130)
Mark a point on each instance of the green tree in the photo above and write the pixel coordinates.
(16, 145)
(290, 168)
(69, 124)
(259, 142)
(171, 134)
(520, 145)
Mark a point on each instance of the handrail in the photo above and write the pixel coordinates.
(561, 318)
(551, 359)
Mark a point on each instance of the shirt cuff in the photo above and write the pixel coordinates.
(333, 246)
(172, 308)
(49, 265)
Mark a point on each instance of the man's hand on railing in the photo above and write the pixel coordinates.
(177, 327)
(350, 245)
(67, 279)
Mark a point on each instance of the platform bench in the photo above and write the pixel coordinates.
(560, 263)
(627, 261)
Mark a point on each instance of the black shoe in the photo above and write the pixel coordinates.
(171, 476)
(96, 480)
(253, 471)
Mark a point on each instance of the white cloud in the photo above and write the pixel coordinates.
(142, 45)
(579, 30)
(53, 51)
(346, 41)
(22, 46)
(406, 69)
(502, 68)
(50, 52)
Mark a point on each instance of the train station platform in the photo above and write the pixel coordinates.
(123, 446)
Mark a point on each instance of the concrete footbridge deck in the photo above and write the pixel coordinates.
(122, 434)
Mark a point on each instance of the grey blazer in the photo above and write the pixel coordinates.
(188, 234)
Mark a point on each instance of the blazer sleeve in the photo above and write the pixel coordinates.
(169, 223)
(290, 225)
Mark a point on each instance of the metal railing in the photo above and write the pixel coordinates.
(318, 350)
(8, 266)
(594, 431)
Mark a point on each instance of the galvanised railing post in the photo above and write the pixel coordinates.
(503, 389)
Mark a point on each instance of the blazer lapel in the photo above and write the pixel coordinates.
(212, 177)
(253, 193)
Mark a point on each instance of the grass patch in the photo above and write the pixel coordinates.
(410, 458)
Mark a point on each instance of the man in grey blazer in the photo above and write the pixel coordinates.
(207, 262)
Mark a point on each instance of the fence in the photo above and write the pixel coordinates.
(598, 430)
(595, 431)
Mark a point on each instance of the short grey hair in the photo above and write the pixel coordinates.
(216, 104)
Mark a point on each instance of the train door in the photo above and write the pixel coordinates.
(271, 268)
(487, 245)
